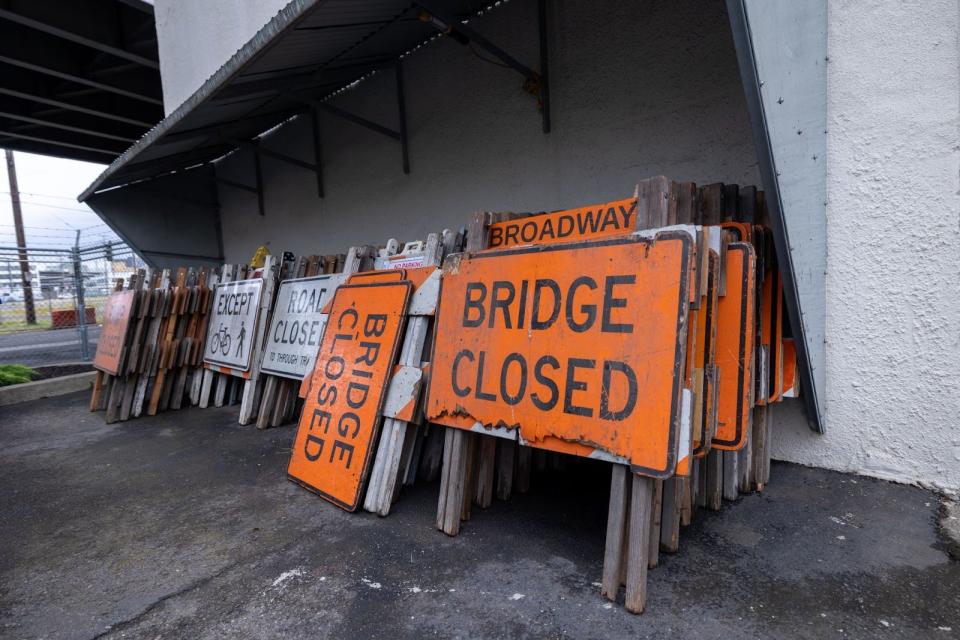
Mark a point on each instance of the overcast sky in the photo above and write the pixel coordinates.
(48, 195)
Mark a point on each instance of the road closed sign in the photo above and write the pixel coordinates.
(113, 335)
(297, 325)
(341, 416)
(232, 328)
(582, 343)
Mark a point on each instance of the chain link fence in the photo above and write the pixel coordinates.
(41, 322)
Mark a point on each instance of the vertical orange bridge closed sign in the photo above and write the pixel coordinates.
(570, 343)
(341, 416)
(113, 335)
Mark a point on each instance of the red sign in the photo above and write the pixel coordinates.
(113, 334)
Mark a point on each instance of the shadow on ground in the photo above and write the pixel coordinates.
(183, 525)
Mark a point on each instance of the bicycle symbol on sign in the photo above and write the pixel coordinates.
(220, 341)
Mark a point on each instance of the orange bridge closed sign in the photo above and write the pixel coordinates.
(582, 343)
(341, 416)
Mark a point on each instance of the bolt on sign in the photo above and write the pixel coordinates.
(594, 221)
(341, 417)
(736, 313)
(577, 343)
(297, 325)
(113, 334)
(232, 327)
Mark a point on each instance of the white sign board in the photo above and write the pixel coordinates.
(297, 325)
(233, 324)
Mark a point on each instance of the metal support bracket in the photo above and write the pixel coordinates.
(258, 189)
(536, 83)
(320, 105)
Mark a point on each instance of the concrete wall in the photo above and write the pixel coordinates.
(893, 247)
(195, 37)
(639, 88)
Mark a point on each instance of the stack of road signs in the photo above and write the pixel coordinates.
(646, 332)
(154, 334)
(358, 439)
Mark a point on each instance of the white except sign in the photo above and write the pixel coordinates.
(297, 325)
(232, 329)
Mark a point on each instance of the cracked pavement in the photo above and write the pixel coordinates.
(183, 526)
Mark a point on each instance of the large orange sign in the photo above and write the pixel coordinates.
(578, 343)
(113, 334)
(735, 342)
(341, 418)
(594, 221)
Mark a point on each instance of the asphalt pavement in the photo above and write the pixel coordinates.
(50, 346)
(183, 525)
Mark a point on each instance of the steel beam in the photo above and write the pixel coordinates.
(73, 107)
(402, 113)
(103, 47)
(65, 127)
(73, 77)
(58, 143)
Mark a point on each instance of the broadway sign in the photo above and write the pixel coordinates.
(568, 343)
(233, 324)
(297, 325)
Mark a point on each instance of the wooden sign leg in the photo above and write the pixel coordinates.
(220, 395)
(486, 466)
(714, 479)
(523, 468)
(620, 488)
(113, 400)
(505, 454)
(249, 398)
(641, 501)
(759, 446)
(129, 390)
(686, 501)
(670, 522)
(744, 460)
(731, 475)
(206, 385)
(97, 391)
(469, 475)
(653, 559)
(767, 427)
(269, 397)
(455, 472)
(432, 458)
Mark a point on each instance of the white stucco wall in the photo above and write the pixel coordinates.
(195, 37)
(893, 246)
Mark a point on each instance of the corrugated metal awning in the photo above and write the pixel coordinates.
(309, 51)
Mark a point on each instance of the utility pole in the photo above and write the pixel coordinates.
(21, 240)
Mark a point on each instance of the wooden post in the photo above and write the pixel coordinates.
(641, 500)
(731, 475)
(506, 454)
(655, 522)
(620, 488)
(714, 479)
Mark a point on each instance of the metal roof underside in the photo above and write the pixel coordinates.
(79, 79)
(310, 50)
